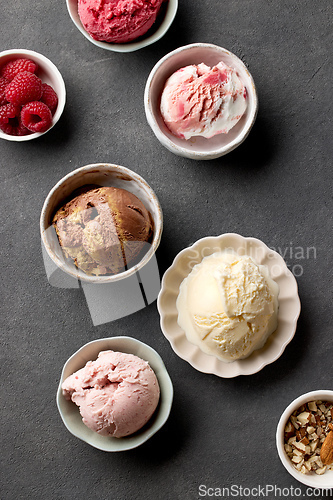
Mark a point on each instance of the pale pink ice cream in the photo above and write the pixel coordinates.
(203, 101)
(117, 394)
(118, 21)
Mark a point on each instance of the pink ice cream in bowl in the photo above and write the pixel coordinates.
(200, 101)
(114, 393)
(122, 25)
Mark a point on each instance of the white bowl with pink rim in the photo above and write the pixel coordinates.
(49, 74)
(198, 148)
(98, 174)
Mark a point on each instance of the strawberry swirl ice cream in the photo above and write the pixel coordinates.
(201, 101)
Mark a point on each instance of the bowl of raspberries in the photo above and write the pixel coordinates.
(32, 95)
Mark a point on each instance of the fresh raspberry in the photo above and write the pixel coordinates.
(49, 97)
(25, 87)
(10, 120)
(12, 68)
(3, 85)
(36, 116)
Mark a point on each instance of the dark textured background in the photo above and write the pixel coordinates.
(277, 187)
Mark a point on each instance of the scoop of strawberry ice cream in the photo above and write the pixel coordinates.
(203, 101)
(117, 394)
(118, 21)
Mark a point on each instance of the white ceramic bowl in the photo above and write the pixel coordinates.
(324, 481)
(198, 148)
(289, 305)
(102, 174)
(48, 73)
(70, 414)
(156, 32)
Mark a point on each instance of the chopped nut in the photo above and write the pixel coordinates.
(314, 445)
(321, 471)
(300, 433)
(322, 408)
(307, 464)
(318, 420)
(293, 420)
(291, 440)
(312, 406)
(289, 430)
(304, 418)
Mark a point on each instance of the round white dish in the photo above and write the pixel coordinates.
(289, 305)
(101, 174)
(153, 35)
(324, 481)
(198, 148)
(48, 73)
(70, 414)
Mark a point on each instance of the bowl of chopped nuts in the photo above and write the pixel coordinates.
(304, 439)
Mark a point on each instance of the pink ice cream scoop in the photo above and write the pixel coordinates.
(203, 101)
(117, 394)
(118, 21)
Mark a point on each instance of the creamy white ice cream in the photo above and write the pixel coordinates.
(228, 305)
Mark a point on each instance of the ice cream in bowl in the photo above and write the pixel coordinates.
(114, 393)
(101, 223)
(200, 101)
(122, 26)
(228, 305)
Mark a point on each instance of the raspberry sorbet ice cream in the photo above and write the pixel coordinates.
(118, 21)
(104, 230)
(203, 101)
(117, 393)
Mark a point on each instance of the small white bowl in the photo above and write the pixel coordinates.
(70, 414)
(101, 174)
(48, 73)
(324, 481)
(289, 305)
(157, 31)
(198, 148)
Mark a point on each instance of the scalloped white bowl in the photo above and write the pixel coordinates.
(48, 73)
(289, 305)
(198, 148)
(324, 481)
(153, 35)
(70, 414)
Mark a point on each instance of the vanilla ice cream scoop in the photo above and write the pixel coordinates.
(228, 305)
(201, 101)
(117, 393)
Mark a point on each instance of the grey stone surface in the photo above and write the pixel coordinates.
(277, 187)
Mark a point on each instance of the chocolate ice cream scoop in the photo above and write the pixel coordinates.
(104, 230)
